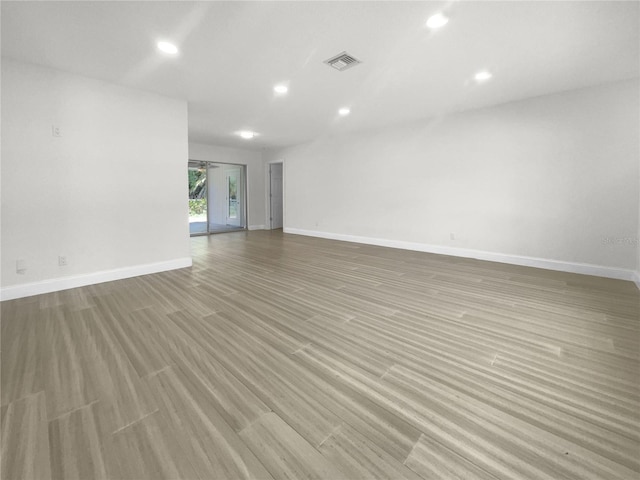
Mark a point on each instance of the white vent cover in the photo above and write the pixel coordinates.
(342, 61)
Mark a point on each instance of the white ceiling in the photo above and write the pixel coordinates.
(232, 54)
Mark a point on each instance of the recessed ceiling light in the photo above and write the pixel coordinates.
(281, 89)
(168, 48)
(344, 111)
(436, 21)
(483, 76)
(247, 134)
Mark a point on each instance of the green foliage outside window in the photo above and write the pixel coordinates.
(197, 206)
(197, 192)
(197, 183)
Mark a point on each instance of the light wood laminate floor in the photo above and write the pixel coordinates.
(281, 356)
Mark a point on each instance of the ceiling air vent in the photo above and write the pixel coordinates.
(342, 61)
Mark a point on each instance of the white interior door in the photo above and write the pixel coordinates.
(233, 193)
(275, 176)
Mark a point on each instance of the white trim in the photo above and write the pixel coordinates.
(64, 283)
(582, 268)
(636, 279)
(257, 227)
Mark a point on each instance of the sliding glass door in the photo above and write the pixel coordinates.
(198, 193)
(233, 197)
(217, 198)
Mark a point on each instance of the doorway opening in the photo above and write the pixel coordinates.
(217, 197)
(276, 217)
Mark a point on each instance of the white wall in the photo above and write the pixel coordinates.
(637, 275)
(551, 178)
(110, 193)
(255, 175)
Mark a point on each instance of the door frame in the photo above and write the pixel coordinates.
(268, 193)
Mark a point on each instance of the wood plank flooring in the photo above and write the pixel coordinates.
(286, 357)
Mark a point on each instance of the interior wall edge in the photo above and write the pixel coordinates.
(547, 264)
(64, 283)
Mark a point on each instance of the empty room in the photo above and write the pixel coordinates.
(320, 240)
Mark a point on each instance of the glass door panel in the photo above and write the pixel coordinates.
(233, 198)
(198, 223)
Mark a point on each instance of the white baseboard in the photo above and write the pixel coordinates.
(65, 283)
(582, 268)
(257, 227)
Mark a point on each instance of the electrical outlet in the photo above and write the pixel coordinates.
(452, 236)
(62, 261)
(55, 131)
